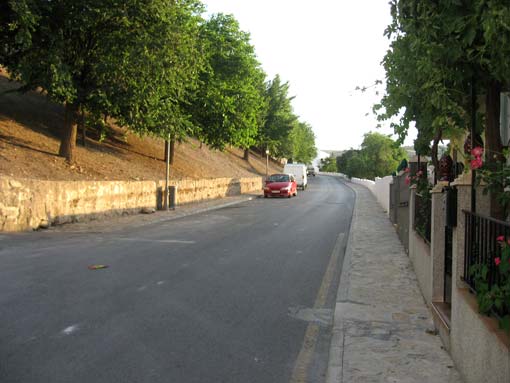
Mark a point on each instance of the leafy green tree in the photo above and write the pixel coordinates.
(344, 162)
(229, 105)
(440, 52)
(302, 143)
(280, 119)
(379, 156)
(127, 59)
(328, 164)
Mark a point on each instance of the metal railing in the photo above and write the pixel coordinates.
(481, 246)
(422, 216)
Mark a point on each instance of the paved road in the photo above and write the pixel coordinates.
(240, 294)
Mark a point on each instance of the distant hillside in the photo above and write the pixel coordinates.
(30, 127)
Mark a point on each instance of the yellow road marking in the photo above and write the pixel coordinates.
(300, 371)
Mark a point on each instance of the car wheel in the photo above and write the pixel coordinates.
(265, 195)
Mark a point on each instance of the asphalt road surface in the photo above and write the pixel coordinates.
(240, 294)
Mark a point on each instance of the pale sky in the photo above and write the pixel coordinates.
(324, 49)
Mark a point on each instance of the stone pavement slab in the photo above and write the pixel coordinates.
(383, 330)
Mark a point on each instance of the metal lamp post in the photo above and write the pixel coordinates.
(267, 162)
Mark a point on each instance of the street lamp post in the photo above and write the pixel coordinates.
(267, 161)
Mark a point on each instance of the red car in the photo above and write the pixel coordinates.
(280, 185)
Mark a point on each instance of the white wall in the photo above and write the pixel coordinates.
(380, 188)
(382, 192)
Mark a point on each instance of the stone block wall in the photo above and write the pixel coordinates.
(25, 203)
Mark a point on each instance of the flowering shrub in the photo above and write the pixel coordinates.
(419, 179)
(422, 213)
(495, 297)
(476, 158)
(496, 176)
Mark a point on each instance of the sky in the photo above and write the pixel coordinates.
(324, 49)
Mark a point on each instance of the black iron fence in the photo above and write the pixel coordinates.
(482, 248)
(422, 215)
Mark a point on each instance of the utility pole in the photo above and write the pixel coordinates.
(167, 159)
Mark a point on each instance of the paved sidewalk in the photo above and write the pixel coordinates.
(382, 326)
(121, 222)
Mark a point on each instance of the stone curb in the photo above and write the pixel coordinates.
(335, 365)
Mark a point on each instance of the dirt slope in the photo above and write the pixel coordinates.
(30, 127)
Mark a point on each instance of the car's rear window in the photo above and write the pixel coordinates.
(279, 178)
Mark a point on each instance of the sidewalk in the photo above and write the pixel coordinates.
(382, 329)
(121, 222)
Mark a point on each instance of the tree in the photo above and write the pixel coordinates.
(103, 57)
(229, 105)
(381, 153)
(379, 156)
(279, 121)
(345, 161)
(328, 164)
(302, 143)
(441, 54)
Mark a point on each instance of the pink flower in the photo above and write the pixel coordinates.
(497, 261)
(408, 180)
(419, 173)
(501, 238)
(407, 170)
(476, 163)
(477, 152)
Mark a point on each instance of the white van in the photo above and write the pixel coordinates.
(299, 171)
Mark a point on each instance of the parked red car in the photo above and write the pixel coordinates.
(280, 185)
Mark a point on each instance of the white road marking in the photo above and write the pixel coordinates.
(157, 240)
(69, 330)
(160, 283)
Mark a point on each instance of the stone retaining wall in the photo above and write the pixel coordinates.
(26, 203)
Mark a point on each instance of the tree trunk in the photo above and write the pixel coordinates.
(68, 141)
(82, 127)
(246, 156)
(494, 157)
(172, 149)
(435, 144)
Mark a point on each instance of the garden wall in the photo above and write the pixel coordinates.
(26, 203)
(380, 188)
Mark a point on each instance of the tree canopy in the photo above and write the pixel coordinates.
(155, 66)
(441, 51)
(379, 156)
(280, 118)
(301, 146)
(127, 59)
(229, 105)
